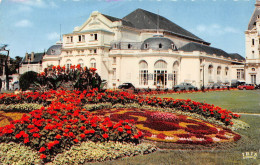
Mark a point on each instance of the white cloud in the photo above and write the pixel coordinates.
(24, 23)
(36, 3)
(53, 36)
(214, 29)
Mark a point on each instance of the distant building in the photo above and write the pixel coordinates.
(252, 66)
(31, 62)
(145, 49)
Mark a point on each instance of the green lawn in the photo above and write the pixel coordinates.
(230, 154)
(236, 100)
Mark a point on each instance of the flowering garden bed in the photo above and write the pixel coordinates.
(63, 122)
(167, 127)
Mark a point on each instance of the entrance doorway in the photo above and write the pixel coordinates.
(160, 78)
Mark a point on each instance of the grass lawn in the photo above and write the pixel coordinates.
(229, 154)
(246, 101)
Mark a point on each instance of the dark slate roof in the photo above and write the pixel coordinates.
(237, 56)
(253, 19)
(143, 19)
(54, 50)
(37, 58)
(113, 19)
(190, 47)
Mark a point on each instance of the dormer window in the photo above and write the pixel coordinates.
(129, 46)
(52, 52)
(160, 45)
(253, 69)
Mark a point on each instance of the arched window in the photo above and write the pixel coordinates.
(81, 63)
(129, 46)
(175, 70)
(226, 71)
(219, 70)
(160, 45)
(143, 73)
(210, 69)
(160, 64)
(93, 63)
(160, 73)
(68, 64)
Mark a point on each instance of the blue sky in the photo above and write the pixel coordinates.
(34, 25)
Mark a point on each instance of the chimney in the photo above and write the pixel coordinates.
(26, 57)
(257, 4)
(32, 56)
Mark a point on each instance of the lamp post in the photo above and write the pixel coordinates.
(6, 66)
(203, 65)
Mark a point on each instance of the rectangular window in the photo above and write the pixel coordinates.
(114, 60)
(253, 79)
(253, 42)
(114, 73)
(240, 74)
(95, 51)
(94, 37)
(81, 38)
(143, 77)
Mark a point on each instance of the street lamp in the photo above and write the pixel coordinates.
(203, 65)
(6, 66)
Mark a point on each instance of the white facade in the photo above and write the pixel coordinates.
(123, 53)
(252, 66)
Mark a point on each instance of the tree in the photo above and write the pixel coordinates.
(27, 79)
(15, 64)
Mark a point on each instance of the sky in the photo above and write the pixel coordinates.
(34, 25)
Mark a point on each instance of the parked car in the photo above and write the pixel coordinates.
(246, 87)
(236, 83)
(184, 86)
(126, 86)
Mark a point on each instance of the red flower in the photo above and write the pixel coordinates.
(105, 136)
(120, 129)
(71, 134)
(42, 149)
(76, 140)
(128, 132)
(82, 136)
(43, 156)
(127, 127)
(17, 136)
(26, 140)
(36, 135)
(92, 131)
(58, 136)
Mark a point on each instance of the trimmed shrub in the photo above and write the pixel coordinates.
(27, 79)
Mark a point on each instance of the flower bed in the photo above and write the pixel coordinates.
(167, 127)
(53, 129)
(114, 97)
(166, 91)
(63, 122)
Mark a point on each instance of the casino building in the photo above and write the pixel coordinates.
(145, 49)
